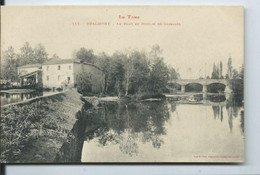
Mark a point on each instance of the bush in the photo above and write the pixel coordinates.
(50, 124)
(84, 85)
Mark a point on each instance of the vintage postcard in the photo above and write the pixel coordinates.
(122, 84)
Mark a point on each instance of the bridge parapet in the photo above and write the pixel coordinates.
(199, 81)
(203, 82)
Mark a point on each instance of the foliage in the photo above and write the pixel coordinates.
(135, 72)
(140, 78)
(158, 76)
(40, 54)
(173, 74)
(55, 57)
(84, 84)
(221, 70)
(27, 55)
(229, 68)
(237, 86)
(8, 67)
(117, 72)
(236, 79)
(104, 63)
(125, 72)
(215, 72)
(86, 55)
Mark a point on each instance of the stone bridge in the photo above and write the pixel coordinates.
(203, 82)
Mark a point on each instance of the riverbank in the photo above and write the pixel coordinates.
(35, 131)
(129, 98)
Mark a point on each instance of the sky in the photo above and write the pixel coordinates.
(192, 38)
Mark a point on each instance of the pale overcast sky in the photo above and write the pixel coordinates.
(200, 36)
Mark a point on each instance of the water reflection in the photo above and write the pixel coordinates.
(8, 98)
(155, 131)
(126, 124)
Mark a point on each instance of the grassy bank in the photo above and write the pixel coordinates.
(35, 131)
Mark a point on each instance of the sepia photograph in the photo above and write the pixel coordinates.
(122, 84)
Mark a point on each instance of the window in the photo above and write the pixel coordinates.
(58, 77)
(58, 67)
(47, 78)
(69, 67)
(47, 68)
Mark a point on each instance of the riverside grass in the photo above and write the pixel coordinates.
(38, 122)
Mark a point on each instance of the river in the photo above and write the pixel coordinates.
(15, 97)
(171, 130)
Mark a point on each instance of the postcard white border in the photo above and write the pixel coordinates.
(252, 102)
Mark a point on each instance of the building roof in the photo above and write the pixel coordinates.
(30, 73)
(61, 61)
(65, 61)
(92, 65)
(30, 66)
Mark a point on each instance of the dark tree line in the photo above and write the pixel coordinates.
(232, 73)
(236, 78)
(126, 72)
(27, 55)
(131, 72)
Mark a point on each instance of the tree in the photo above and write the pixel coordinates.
(158, 76)
(8, 68)
(173, 74)
(86, 55)
(55, 57)
(159, 72)
(40, 54)
(103, 61)
(221, 70)
(235, 74)
(84, 84)
(140, 78)
(215, 72)
(155, 53)
(241, 73)
(118, 72)
(129, 71)
(229, 68)
(135, 71)
(26, 55)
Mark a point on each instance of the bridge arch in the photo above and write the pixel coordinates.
(216, 87)
(193, 87)
(174, 86)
